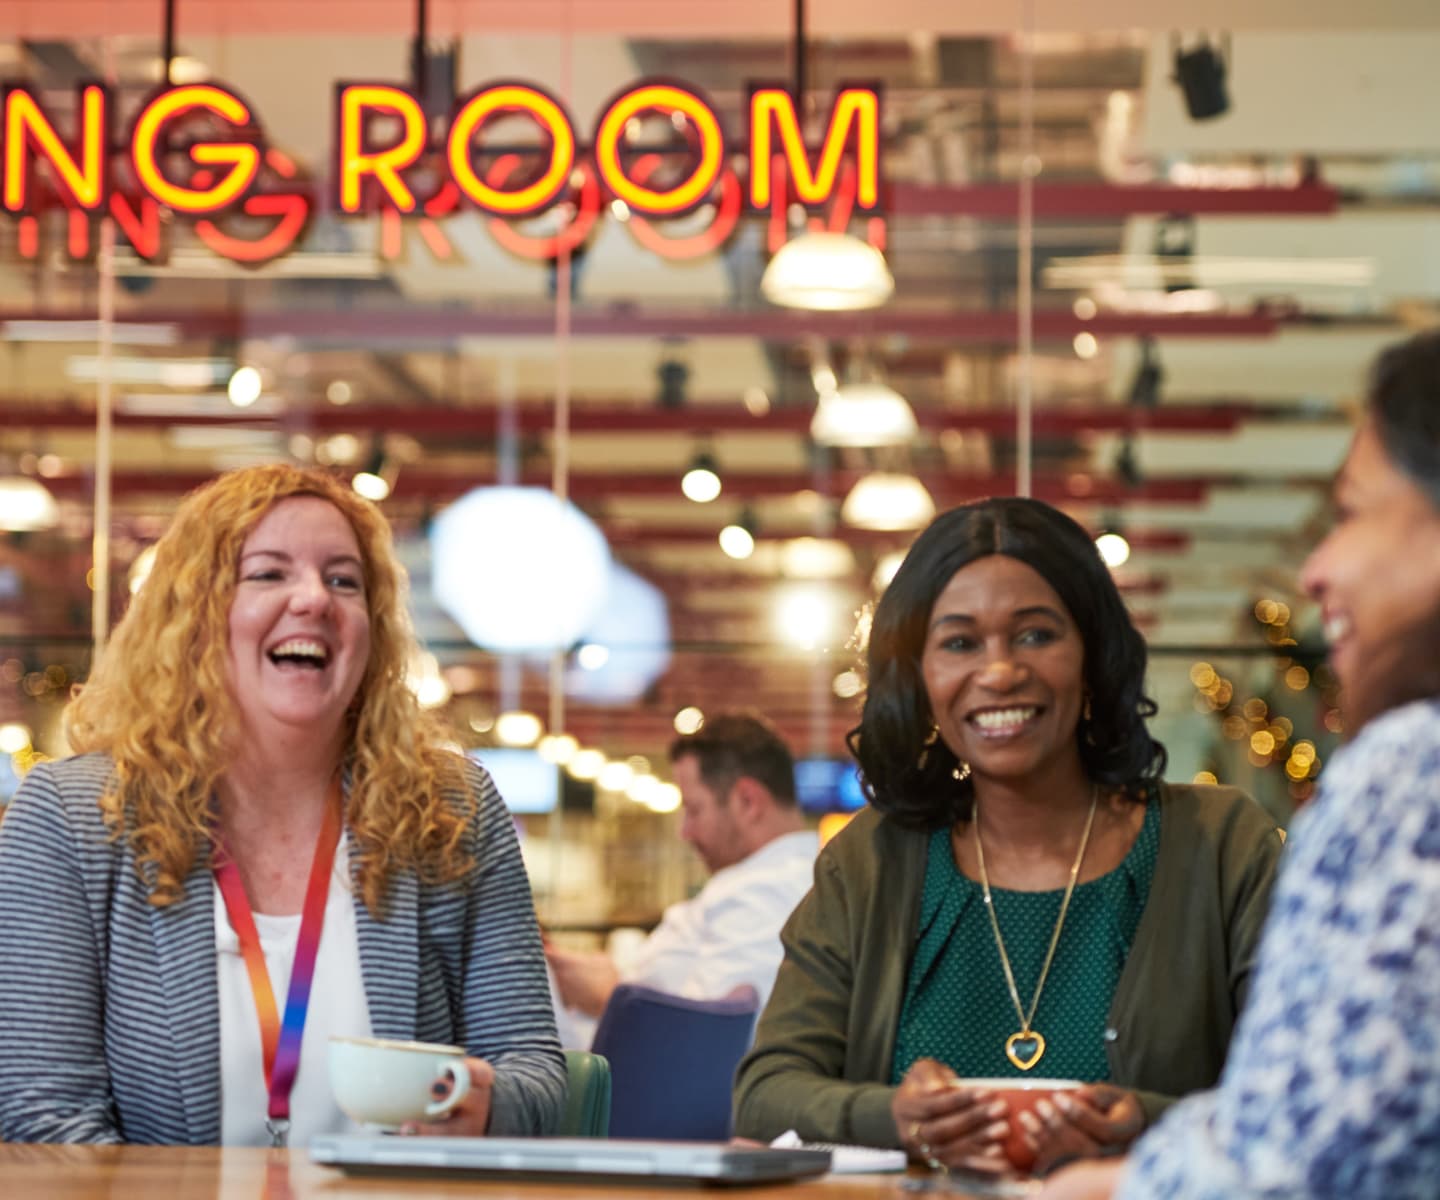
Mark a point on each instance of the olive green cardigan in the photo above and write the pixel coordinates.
(822, 1055)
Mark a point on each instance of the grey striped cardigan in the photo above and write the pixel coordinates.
(109, 1006)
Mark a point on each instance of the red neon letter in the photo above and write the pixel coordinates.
(568, 239)
(356, 159)
(853, 106)
(512, 97)
(667, 98)
(291, 211)
(696, 245)
(140, 225)
(82, 177)
(242, 159)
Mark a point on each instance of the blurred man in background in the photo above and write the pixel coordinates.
(737, 787)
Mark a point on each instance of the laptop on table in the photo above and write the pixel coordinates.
(576, 1159)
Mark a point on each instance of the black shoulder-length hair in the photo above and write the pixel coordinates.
(1404, 402)
(1115, 746)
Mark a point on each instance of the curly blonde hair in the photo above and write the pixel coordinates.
(158, 700)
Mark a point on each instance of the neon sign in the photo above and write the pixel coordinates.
(198, 151)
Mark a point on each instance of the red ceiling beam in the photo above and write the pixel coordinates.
(948, 489)
(624, 535)
(417, 327)
(630, 419)
(736, 580)
(1088, 199)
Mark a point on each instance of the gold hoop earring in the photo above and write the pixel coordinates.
(961, 772)
(930, 739)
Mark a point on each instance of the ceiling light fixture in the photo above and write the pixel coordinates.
(673, 376)
(688, 720)
(14, 737)
(1127, 465)
(615, 776)
(701, 481)
(824, 271)
(642, 789)
(1149, 375)
(808, 615)
(586, 763)
(863, 414)
(885, 569)
(244, 387)
(1114, 549)
(816, 558)
(592, 656)
(1174, 247)
(888, 500)
(664, 799)
(737, 539)
(1200, 72)
(553, 558)
(827, 272)
(374, 483)
(518, 728)
(557, 748)
(26, 505)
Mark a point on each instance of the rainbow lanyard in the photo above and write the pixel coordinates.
(280, 1044)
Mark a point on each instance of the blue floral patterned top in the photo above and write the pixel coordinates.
(1332, 1087)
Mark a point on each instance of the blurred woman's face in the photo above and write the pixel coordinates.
(1377, 578)
(1004, 670)
(299, 622)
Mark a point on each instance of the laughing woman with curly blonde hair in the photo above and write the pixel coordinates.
(255, 785)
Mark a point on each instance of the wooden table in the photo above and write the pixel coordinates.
(29, 1172)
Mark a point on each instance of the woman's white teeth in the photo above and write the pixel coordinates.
(1336, 628)
(300, 648)
(996, 719)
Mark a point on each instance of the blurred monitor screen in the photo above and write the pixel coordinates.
(828, 785)
(527, 783)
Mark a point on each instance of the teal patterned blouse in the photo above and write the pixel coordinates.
(957, 1007)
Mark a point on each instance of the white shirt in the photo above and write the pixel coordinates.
(337, 1006)
(728, 934)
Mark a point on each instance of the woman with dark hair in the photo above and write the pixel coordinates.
(1024, 897)
(1333, 1088)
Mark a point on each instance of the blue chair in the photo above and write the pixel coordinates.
(673, 1060)
(587, 1103)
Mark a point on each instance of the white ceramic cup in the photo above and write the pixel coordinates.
(385, 1083)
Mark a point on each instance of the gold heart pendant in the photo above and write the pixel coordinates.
(1025, 1049)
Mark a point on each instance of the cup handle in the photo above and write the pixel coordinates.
(459, 1075)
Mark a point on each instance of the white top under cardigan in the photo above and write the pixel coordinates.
(109, 1005)
(337, 1007)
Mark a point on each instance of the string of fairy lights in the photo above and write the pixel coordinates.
(1266, 734)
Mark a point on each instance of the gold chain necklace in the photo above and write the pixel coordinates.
(1025, 1047)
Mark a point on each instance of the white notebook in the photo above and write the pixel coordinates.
(846, 1160)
